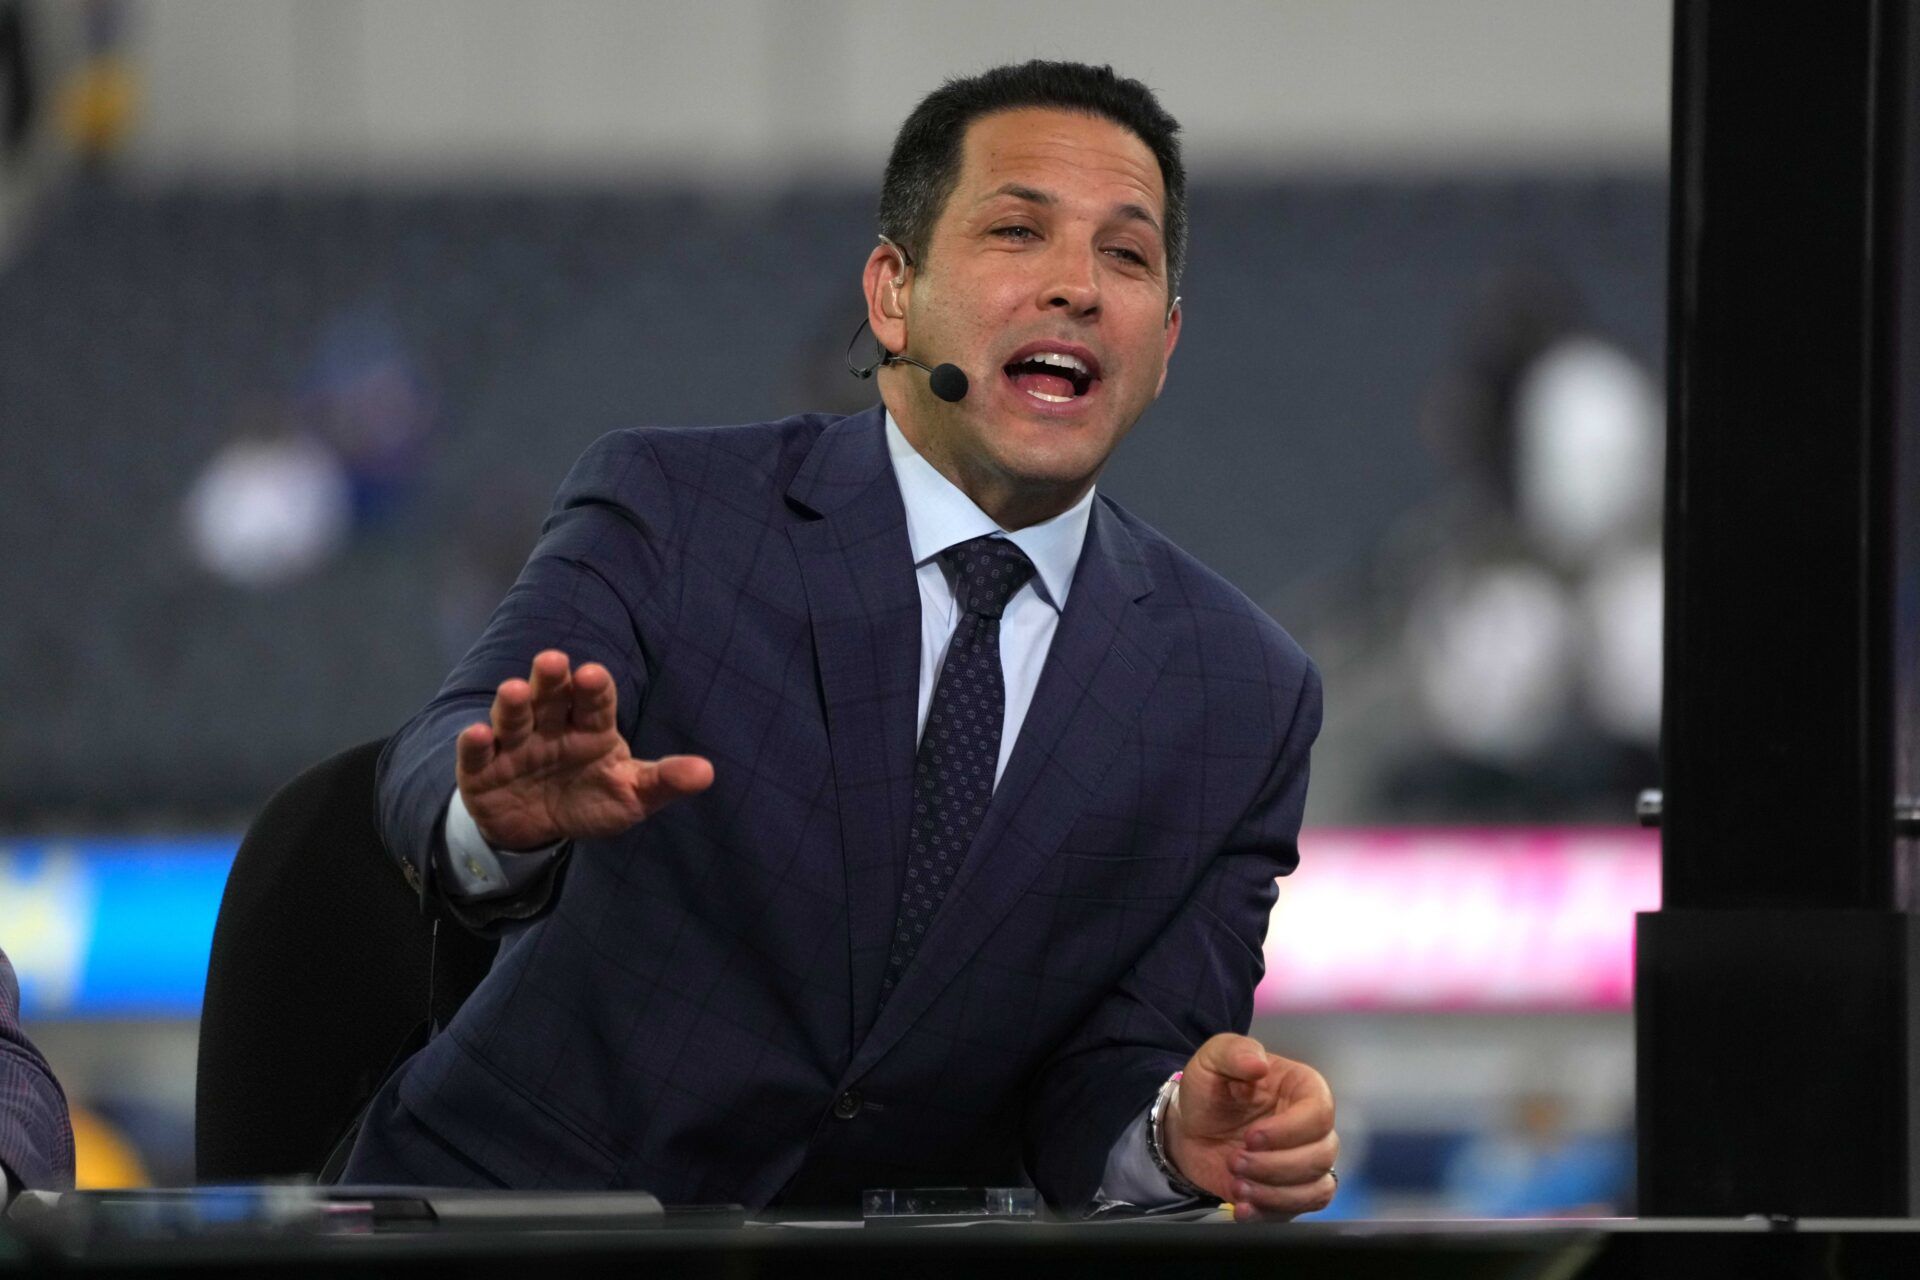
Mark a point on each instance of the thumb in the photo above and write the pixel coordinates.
(1237, 1059)
(670, 777)
(684, 775)
(1226, 1084)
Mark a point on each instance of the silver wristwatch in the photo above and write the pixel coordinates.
(1157, 1141)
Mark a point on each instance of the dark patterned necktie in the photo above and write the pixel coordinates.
(960, 749)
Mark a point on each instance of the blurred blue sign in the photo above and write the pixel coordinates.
(111, 928)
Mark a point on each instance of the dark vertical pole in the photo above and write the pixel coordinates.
(1775, 1003)
(1905, 335)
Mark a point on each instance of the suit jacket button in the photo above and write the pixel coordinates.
(847, 1105)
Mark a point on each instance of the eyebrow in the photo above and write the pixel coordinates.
(1032, 195)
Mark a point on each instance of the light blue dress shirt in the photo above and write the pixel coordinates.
(939, 515)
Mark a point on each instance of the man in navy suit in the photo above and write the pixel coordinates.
(36, 1139)
(968, 881)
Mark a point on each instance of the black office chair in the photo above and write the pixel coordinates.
(319, 979)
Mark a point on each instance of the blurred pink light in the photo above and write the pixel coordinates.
(1460, 919)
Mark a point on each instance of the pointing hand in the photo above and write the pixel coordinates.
(1255, 1129)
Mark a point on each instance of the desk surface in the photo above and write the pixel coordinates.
(1549, 1250)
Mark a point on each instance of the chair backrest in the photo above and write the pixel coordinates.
(320, 971)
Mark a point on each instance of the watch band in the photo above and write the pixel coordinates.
(1156, 1140)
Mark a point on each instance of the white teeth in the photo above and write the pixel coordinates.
(1057, 360)
(1060, 359)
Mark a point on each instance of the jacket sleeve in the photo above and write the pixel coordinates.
(594, 587)
(36, 1137)
(1195, 980)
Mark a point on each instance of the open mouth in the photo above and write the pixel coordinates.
(1053, 376)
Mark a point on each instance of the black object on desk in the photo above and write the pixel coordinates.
(79, 1223)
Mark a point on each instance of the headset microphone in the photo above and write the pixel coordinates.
(948, 381)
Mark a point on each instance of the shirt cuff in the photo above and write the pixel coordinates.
(475, 870)
(1130, 1176)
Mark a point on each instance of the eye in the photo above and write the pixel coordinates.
(1016, 232)
(1133, 256)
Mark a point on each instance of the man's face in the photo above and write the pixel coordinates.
(1045, 279)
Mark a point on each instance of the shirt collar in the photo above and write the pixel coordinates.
(939, 515)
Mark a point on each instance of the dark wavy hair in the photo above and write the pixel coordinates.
(925, 163)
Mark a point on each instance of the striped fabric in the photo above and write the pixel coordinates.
(36, 1141)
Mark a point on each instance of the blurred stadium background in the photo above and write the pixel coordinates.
(306, 307)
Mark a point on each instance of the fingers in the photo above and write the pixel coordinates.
(1253, 1201)
(1304, 1115)
(553, 700)
(1295, 1166)
(1284, 1184)
(473, 749)
(1284, 1159)
(512, 714)
(1298, 1125)
(594, 699)
(552, 684)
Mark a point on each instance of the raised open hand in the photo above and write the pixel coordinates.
(1255, 1129)
(552, 765)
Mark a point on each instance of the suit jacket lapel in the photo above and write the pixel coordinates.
(1105, 658)
(864, 607)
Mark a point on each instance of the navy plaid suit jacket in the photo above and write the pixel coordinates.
(695, 1010)
(36, 1139)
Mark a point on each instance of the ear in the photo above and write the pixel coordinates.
(887, 281)
(1173, 340)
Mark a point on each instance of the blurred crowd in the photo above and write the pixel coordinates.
(1499, 646)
